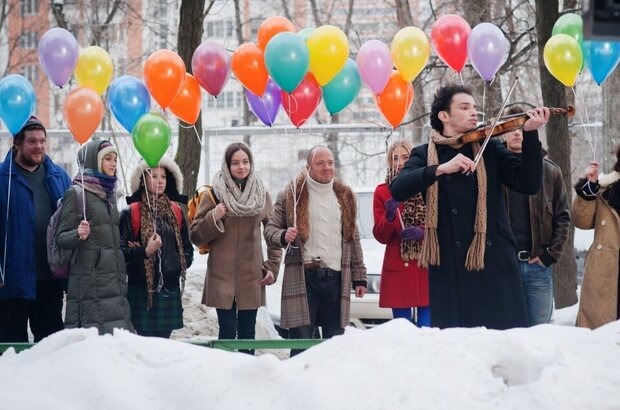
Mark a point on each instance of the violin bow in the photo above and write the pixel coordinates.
(495, 121)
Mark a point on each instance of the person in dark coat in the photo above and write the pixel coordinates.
(156, 259)
(28, 291)
(97, 292)
(404, 284)
(474, 278)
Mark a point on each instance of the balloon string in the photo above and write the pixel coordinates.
(461, 77)
(586, 129)
(82, 175)
(6, 221)
(271, 120)
(484, 101)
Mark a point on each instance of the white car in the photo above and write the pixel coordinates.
(365, 312)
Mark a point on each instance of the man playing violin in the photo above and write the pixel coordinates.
(469, 248)
(540, 224)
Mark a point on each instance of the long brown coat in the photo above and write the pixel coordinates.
(235, 257)
(294, 305)
(598, 302)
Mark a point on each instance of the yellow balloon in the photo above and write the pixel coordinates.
(410, 51)
(328, 48)
(94, 69)
(563, 58)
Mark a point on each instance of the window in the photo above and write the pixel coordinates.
(30, 72)
(210, 31)
(29, 7)
(28, 40)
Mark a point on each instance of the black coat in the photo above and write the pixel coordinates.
(171, 263)
(492, 297)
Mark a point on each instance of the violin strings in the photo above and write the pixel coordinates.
(589, 138)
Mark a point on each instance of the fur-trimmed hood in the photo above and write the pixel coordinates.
(608, 179)
(174, 181)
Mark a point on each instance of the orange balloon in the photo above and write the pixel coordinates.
(83, 111)
(186, 104)
(164, 73)
(395, 99)
(248, 64)
(272, 26)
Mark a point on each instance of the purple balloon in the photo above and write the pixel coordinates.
(374, 63)
(58, 54)
(265, 107)
(487, 49)
(211, 67)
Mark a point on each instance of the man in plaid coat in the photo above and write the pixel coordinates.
(315, 220)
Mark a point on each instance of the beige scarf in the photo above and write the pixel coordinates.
(430, 247)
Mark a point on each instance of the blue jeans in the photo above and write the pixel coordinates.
(538, 287)
(423, 317)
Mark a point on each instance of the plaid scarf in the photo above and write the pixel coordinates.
(163, 207)
(97, 183)
(430, 246)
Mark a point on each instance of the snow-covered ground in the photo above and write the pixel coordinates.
(393, 366)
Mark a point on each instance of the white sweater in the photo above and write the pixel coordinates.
(325, 220)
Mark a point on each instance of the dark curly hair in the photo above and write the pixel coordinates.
(442, 100)
(617, 164)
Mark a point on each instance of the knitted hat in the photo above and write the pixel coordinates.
(104, 149)
(33, 123)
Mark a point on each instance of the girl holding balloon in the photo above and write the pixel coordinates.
(399, 225)
(236, 270)
(155, 242)
(97, 291)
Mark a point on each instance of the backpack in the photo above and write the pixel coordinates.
(136, 214)
(192, 207)
(59, 259)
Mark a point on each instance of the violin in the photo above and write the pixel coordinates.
(507, 124)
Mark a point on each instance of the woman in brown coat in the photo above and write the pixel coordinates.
(236, 272)
(597, 206)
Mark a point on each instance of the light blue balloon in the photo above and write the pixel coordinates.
(287, 60)
(342, 90)
(129, 100)
(17, 102)
(601, 58)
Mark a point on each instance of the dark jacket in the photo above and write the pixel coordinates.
(549, 215)
(97, 292)
(20, 275)
(492, 297)
(170, 261)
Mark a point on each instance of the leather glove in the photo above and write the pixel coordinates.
(391, 205)
(413, 233)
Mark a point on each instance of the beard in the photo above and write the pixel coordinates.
(30, 160)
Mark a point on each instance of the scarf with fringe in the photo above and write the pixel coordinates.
(429, 254)
(248, 200)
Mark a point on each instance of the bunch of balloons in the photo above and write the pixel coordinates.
(566, 52)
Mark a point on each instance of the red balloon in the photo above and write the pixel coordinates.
(449, 39)
(395, 99)
(302, 102)
(187, 102)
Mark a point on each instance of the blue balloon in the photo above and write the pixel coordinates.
(287, 60)
(342, 89)
(129, 100)
(601, 58)
(17, 102)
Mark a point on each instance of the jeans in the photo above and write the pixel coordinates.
(44, 314)
(538, 288)
(423, 318)
(323, 293)
(236, 324)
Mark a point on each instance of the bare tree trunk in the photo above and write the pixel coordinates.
(611, 122)
(554, 95)
(190, 36)
(240, 40)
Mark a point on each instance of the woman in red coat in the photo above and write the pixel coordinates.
(399, 225)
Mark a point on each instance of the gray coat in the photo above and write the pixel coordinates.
(97, 293)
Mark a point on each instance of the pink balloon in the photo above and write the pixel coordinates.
(211, 67)
(374, 63)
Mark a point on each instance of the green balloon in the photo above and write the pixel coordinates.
(305, 33)
(151, 136)
(571, 24)
(343, 88)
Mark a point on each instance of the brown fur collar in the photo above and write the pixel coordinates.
(346, 199)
